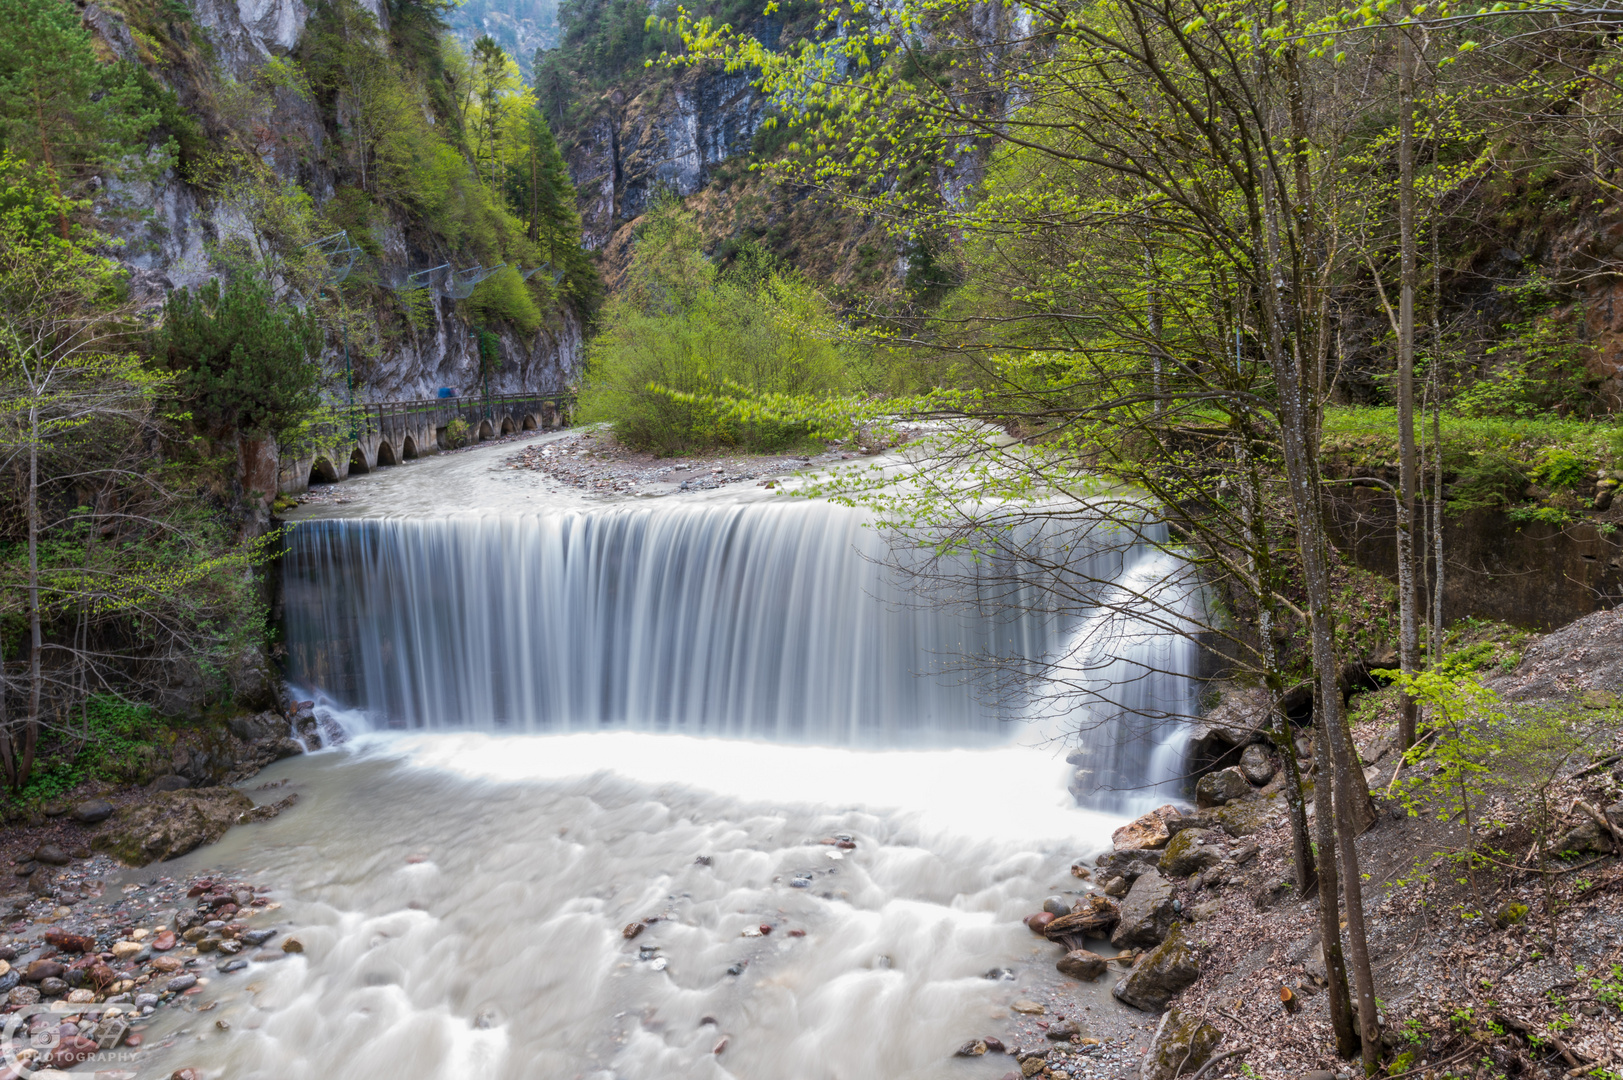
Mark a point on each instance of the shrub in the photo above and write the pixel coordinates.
(504, 297)
(1562, 470)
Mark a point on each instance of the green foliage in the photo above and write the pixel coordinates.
(682, 345)
(1490, 482)
(505, 297)
(1538, 366)
(113, 740)
(456, 432)
(244, 360)
(1562, 470)
(60, 108)
(490, 351)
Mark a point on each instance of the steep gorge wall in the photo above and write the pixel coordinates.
(172, 230)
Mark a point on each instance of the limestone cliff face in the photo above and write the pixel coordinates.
(671, 135)
(171, 230)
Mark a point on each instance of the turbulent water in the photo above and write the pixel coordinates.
(568, 720)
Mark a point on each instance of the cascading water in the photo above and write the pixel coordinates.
(771, 620)
(460, 887)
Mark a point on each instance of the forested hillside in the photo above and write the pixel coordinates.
(219, 239)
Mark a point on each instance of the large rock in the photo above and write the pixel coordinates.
(1160, 974)
(1190, 852)
(1182, 1044)
(1257, 764)
(1149, 831)
(1222, 787)
(1146, 913)
(93, 811)
(1127, 864)
(1239, 719)
(1250, 816)
(1081, 964)
(172, 823)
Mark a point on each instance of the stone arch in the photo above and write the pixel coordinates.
(322, 472)
(485, 430)
(357, 462)
(529, 422)
(507, 425)
(408, 448)
(386, 454)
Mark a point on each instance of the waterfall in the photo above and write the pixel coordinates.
(770, 620)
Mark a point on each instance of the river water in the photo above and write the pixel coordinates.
(569, 716)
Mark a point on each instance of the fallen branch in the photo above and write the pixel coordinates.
(1220, 1057)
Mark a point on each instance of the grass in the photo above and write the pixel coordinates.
(1370, 435)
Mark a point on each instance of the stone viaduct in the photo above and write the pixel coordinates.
(387, 433)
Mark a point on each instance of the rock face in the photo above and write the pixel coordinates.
(1190, 852)
(1159, 974)
(1586, 655)
(669, 136)
(171, 824)
(1146, 913)
(1222, 787)
(1182, 1043)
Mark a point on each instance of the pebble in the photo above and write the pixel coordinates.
(182, 982)
(123, 950)
(1029, 1008)
(293, 944)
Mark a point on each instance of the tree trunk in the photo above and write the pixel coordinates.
(1408, 462)
(35, 633)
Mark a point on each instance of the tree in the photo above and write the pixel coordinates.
(60, 108)
(243, 361)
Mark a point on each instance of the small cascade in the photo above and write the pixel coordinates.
(782, 621)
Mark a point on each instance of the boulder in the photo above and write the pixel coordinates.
(1146, 913)
(1584, 837)
(51, 855)
(1149, 831)
(171, 824)
(1257, 764)
(1250, 816)
(1160, 974)
(1190, 852)
(93, 811)
(169, 782)
(256, 727)
(1117, 887)
(1182, 1044)
(1198, 819)
(1222, 787)
(1127, 864)
(1081, 964)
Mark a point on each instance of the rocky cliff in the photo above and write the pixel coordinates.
(173, 230)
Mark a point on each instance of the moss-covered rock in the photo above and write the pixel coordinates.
(1190, 852)
(1160, 974)
(171, 823)
(1181, 1045)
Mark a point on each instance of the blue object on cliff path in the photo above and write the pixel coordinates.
(445, 391)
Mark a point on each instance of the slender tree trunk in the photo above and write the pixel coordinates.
(35, 633)
(1408, 462)
(1339, 1002)
(1347, 796)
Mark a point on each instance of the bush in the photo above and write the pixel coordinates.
(1562, 470)
(682, 342)
(504, 297)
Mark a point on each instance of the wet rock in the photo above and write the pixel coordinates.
(172, 824)
(1040, 921)
(269, 810)
(257, 937)
(975, 1048)
(1057, 905)
(1182, 1044)
(25, 995)
(185, 1074)
(1257, 764)
(1063, 1031)
(1128, 864)
(1033, 1065)
(164, 941)
(1149, 831)
(1160, 974)
(71, 1051)
(1190, 852)
(1147, 913)
(166, 964)
(93, 811)
(41, 970)
(1029, 1008)
(292, 944)
(235, 964)
(1222, 787)
(51, 855)
(1081, 964)
(182, 982)
(1117, 887)
(53, 987)
(1080, 870)
(124, 950)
